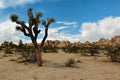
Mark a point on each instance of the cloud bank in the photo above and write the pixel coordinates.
(8, 32)
(106, 28)
(89, 31)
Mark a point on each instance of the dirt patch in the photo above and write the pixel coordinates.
(90, 68)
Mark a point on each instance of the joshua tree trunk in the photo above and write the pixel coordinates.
(39, 50)
(39, 57)
(92, 54)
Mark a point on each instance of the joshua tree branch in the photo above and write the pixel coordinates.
(49, 21)
(45, 36)
(25, 33)
(35, 28)
(21, 23)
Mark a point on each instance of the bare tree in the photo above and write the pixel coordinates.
(32, 30)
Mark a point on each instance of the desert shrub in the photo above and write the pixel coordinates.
(70, 62)
(0, 48)
(74, 49)
(8, 50)
(89, 49)
(4, 44)
(28, 54)
(50, 49)
(93, 49)
(113, 52)
(83, 49)
(71, 49)
(21, 47)
(67, 49)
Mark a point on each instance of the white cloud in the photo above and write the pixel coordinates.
(13, 3)
(90, 31)
(8, 32)
(67, 23)
(53, 33)
(70, 23)
(59, 33)
(107, 28)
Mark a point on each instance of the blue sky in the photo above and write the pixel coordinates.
(76, 20)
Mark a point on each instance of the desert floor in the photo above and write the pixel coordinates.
(89, 68)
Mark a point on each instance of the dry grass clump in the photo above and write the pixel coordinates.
(70, 62)
(8, 51)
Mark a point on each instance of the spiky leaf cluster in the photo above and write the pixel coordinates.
(13, 17)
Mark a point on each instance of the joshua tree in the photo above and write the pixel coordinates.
(20, 44)
(32, 30)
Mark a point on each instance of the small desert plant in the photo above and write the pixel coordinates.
(71, 49)
(70, 62)
(7, 50)
(28, 54)
(50, 49)
(114, 53)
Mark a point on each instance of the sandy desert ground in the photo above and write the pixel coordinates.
(90, 68)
